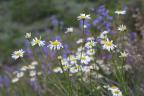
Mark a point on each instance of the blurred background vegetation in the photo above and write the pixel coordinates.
(20, 16)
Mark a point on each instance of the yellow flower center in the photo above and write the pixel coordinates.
(55, 43)
(83, 17)
(18, 53)
(116, 92)
(37, 41)
(108, 43)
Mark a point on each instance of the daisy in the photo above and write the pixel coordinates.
(123, 54)
(32, 73)
(83, 17)
(69, 30)
(120, 12)
(24, 68)
(115, 91)
(72, 59)
(79, 41)
(75, 69)
(55, 45)
(108, 45)
(122, 28)
(20, 74)
(17, 54)
(90, 44)
(84, 59)
(58, 70)
(38, 42)
(90, 52)
(14, 80)
(103, 35)
(28, 35)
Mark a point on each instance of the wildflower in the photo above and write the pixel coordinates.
(31, 67)
(103, 35)
(79, 41)
(84, 26)
(123, 54)
(17, 54)
(83, 17)
(108, 45)
(32, 73)
(122, 28)
(34, 63)
(20, 74)
(24, 68)
(75, 69)
(28, 35)
(58, 70)
(72, 59)
(14, 80)
(55, 45)
(85, 59)
(115, 91)
(59, 57)
(90, 44)
(39, 73)
(120, 12)
(90, 52)
(69, 30)
(38, 42)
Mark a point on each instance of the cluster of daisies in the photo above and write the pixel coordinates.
(27, 69)
(80, 61)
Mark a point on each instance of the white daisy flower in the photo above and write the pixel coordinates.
(55, 45)
(122, 28)
(123, 54)
(75, 69)
(120, 12)
(31, 67)
(72, 59)
(69, 30)
(90, 52)
(34, 63)
(87, 69)
(32, 73)
(85, 59)
(90, 44)
(39, 73)
(20, 74)
(18, 54)
(14, 80)
(83, 17)
(28, 35)
(24, 68)
(115, 91)
(79, 49)
(103, 35)
(38, 42)
(58, 70)
(80, 41)
(108, 45)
